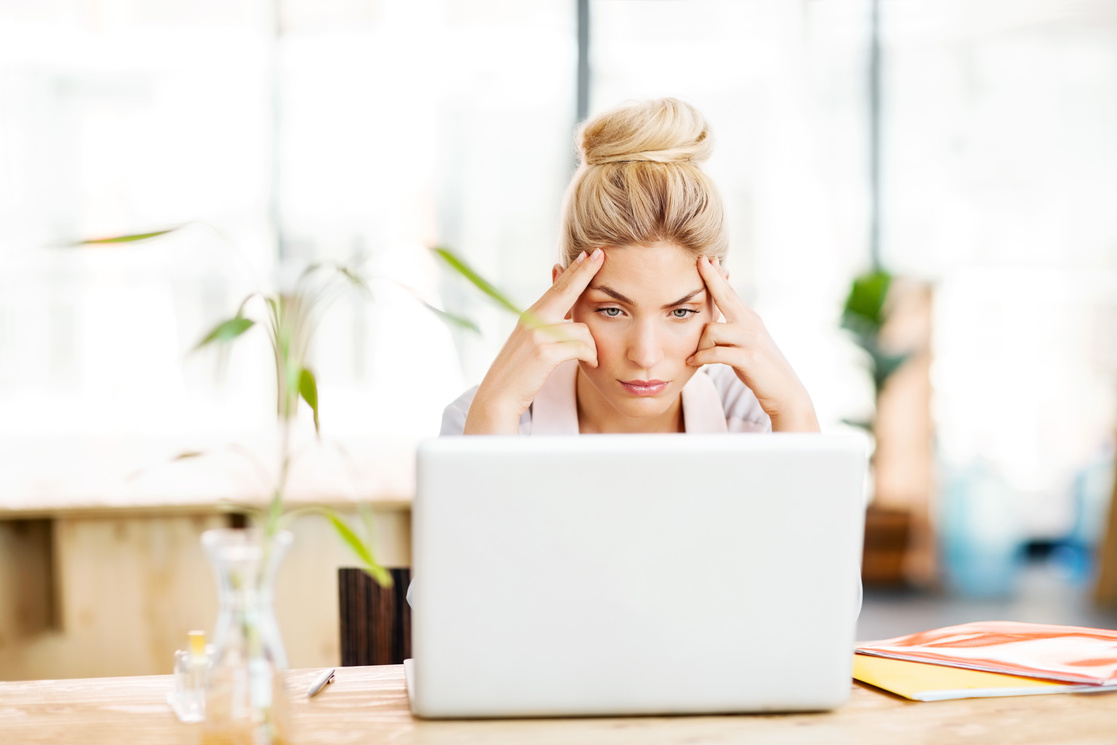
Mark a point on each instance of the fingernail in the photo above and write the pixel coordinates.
(597, 254)
(581, 258)
(690, 359)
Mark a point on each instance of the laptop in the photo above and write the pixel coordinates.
(635, 574)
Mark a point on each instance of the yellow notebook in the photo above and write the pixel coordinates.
(921, 681)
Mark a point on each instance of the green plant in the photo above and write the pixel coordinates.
(290, 317)
(459, 265)
(864, 314)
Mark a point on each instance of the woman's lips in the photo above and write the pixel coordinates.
(644, 387)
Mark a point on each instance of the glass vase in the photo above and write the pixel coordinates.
(246, 696)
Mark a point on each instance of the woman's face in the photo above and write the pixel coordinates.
(646, 309)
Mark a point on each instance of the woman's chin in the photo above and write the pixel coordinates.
(643, 407)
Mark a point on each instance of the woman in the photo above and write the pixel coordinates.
(632, 313)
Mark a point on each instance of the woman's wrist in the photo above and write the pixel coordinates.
(799, 416)
(491, 418)
(805, 421)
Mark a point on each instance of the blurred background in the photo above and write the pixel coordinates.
(964, 150)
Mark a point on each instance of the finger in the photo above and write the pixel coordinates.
(726, 335)
(571, 349)
(721, 270)
(725, 298)
(707, 340)
(580, 332)
(731, 356)
(570, 285)
(583, 342)
(570, 341)
(586, 353)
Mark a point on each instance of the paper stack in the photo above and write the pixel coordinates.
(993, 658)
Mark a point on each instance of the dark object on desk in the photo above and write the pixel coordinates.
(887, 542)
(375, 621)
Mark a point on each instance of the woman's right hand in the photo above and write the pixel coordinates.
(541, 341)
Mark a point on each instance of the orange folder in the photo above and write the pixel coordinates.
(1065, 653)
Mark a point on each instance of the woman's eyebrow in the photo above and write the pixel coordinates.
(612, 293)
(685, 298)
(622, 299)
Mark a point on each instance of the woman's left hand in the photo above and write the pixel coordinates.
(743, 343)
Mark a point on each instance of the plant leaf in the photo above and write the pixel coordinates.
(355, 279)
(884, 365)
(863, 312)
(447, 317)
(129, 238)
(292, 375)
(458, 265)
(226, 331)
(275, 512)
(365, 511)
(308, 389)
(185, 455)
(860, 424)
(377, 572)
(243, 303)
(307, 271)
(451, 319)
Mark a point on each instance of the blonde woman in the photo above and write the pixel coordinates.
(628, 337)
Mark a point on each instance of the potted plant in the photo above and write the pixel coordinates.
(245, 697)
(888, 319)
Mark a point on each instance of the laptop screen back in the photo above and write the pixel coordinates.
(635, 574)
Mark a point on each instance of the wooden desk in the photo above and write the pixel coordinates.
(101, 568)
(369, 705)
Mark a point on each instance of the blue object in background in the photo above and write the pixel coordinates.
(1091, 492)
(982, 549)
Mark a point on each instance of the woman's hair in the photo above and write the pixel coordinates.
(638, 182)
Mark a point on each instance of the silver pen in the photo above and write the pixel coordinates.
(320, 682)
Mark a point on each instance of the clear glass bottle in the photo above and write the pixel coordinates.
(246, 696)
(188, 697)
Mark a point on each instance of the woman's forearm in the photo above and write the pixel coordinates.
(491, 419)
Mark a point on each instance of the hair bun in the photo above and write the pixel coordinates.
(664, 130)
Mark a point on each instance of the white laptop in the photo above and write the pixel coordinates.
(635, 574)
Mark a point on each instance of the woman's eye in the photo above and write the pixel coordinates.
(611, 312)
(682, 312)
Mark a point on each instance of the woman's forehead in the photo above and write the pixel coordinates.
(652, 275)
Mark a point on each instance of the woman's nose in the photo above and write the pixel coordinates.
(645, 349)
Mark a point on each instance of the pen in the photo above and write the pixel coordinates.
(320, 682)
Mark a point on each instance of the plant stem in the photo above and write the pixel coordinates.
(276, 509)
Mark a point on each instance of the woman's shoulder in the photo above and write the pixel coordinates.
(453, 416)
(743, 412)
